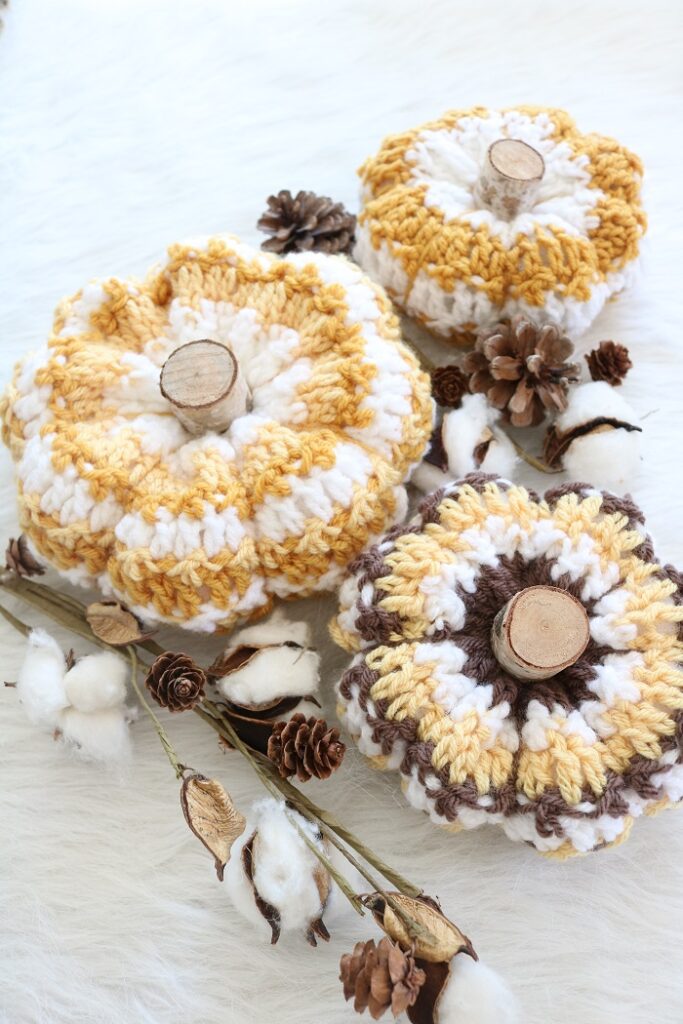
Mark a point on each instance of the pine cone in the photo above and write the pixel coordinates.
(449, 385)
(175, 681)
(305, 748)
(19, 559)
(380, 977)
(306, 222)
(522, 370)
(610, 362)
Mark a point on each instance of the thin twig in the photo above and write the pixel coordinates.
(178, 768)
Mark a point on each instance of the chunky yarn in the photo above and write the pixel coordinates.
(449, 261)
(201, 531)
(565, 763)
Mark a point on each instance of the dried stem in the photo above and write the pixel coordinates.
(178, 768)
(530, 459)
(13, 621)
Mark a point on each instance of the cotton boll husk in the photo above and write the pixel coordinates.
(610, 460)
(40, 685)
(284, 869)
(272, 673)
(97, 682)
(98, 735)
(474, 994)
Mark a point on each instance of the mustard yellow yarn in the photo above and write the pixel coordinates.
(454, 266)
(204, 531)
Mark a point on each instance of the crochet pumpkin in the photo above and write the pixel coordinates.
(484, 214)
(519, 662)
(326, 414)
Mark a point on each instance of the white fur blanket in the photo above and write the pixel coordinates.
(126, 125)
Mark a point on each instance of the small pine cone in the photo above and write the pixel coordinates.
(306, 222)
(305, 748)
(522, 370)
(175, 681)
(609, 362)
(19, 559)
(449, 385)
(379, 977)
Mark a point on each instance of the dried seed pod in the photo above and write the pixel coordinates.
(212, 816)
(437, 939)
(18, 558)
(113, 623)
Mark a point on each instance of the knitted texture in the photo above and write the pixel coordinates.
(567, 763)
(201, 531)
(450, 263)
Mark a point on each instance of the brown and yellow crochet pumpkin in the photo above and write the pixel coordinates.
(331, 413)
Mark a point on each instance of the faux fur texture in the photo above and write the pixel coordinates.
(125, 126)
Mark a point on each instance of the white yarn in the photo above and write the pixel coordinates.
(40, 684)
(475, 994)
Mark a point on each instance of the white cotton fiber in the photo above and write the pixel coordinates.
(284, 868)
(474, 994)
(272, 673)
(98, 735)
(40, 686)
(608, 458)
(97, 682)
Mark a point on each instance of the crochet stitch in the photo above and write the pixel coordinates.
(565, 763)
(447, 260)
(201, 531)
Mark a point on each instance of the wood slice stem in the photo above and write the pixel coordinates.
(539, 632)
(203, 383)
(510, 177)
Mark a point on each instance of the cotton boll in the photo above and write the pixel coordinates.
(610, 460)
(40, 686)
(99, 735)
(97, 682)
(286, 874)
(607, 455)
(474, 994)
(429, 478)
(271, 673)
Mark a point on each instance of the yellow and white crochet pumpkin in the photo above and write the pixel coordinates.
(456, 255)
(201, 531)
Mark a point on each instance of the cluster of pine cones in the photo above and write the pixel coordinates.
(524, 371)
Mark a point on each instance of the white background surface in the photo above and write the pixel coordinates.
(127, 125)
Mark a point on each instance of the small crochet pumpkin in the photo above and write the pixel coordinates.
(519, 662)
(484, 214)
(326, 414)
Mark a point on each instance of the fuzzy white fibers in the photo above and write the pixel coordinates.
(97, 682)
(40, 685)
(284, 868)
(610, 459)
(277, 670)
(85, 704)
(463, 430)
(475, 994)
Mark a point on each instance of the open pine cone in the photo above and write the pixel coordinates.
(306, 748)
(306, 222)
(609, 362)
(522, 370)
(379, 977)
(175, 681)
